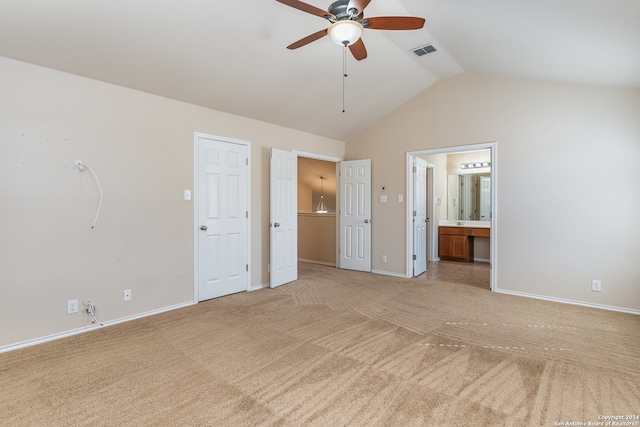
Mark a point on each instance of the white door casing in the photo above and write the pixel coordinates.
(283, 218)
(355, 215)
(222, 216)
(419, 216)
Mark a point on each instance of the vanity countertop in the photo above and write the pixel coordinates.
(470, 224)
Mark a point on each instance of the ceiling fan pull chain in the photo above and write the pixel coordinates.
(344, 72)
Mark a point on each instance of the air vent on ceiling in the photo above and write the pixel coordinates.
(424, 50)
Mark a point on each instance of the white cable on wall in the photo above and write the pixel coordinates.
(91, 309)
(81, 167)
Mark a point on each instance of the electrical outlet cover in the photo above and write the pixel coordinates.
(72, 306)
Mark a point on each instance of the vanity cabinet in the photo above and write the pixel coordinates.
(456, 243)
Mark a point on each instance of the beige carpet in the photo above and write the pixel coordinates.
(336, 348)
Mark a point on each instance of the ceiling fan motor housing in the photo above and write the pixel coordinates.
(340, 11)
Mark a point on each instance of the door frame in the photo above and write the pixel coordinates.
(337, 161)
(433, 232)
(196, 205)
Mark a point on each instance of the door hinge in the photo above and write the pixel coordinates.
(415, 257)
(415, 169)
(247, 267)
(247, 161)
(415, 213)
(247, 214)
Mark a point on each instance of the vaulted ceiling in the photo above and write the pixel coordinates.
(232, 56)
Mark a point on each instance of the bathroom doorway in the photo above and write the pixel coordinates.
(442, 205)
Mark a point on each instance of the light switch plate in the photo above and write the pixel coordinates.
(383, 198)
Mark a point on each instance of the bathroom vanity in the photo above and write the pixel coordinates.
(455, 242)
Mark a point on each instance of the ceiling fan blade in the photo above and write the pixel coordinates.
(393, 23)
(358, 50)
(307, 8)
(358, 4)
(310, 38)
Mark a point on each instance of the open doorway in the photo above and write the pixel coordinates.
(317, 226)
(451, 165)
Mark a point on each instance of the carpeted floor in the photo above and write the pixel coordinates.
(471, 273)
(336, 348)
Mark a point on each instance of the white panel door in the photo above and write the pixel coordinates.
(355, 215)
(283, 217)
(419, 216)
(223, 211)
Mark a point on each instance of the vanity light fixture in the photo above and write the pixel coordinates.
(475, 165)
(322, 207)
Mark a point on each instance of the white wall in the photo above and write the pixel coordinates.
(141, 147)
(567, 179)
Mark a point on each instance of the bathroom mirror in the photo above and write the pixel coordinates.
(469, 197)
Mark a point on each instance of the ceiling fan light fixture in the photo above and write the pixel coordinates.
(345, 33)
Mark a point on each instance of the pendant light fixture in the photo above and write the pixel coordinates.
(322, 207)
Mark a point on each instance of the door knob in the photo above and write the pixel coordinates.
(366, 221)
(203, 227)
(277, 224)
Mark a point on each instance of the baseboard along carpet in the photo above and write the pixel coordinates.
(336, 348)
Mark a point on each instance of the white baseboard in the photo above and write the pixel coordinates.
(389, 273)
(569, 301)
(257, 287)
(311, 261)
(88, 328)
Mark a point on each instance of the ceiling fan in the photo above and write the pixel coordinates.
(348, 22)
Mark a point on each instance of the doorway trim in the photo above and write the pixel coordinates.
(434, 225)
(337, 161)
(196, 201)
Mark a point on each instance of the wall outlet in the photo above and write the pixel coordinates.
(127, 294)
(596, 285)
(384, 259)
(72, 306)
